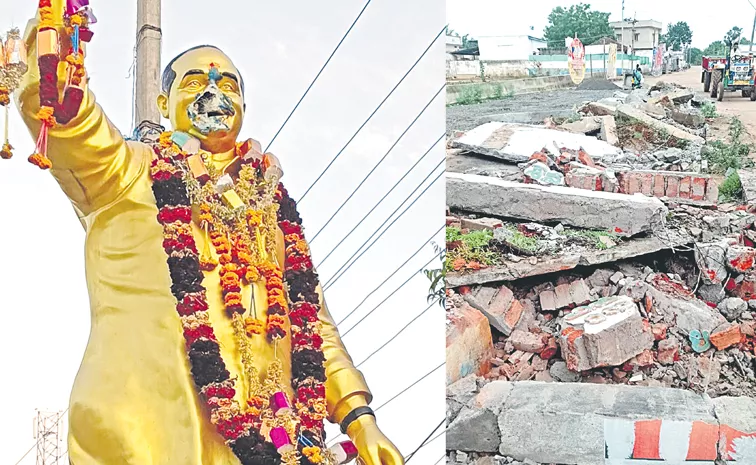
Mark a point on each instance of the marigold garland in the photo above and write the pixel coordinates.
(240, 425)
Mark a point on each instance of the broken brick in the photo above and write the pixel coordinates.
(727, 337)
(548, 301)
(453, 221)
(550, 350)
(740, 258)
(469, 347)
(563, 297)
(504, 311)
(527, 341)
(580, 293)
(647, 181)
(659, 330)
(668, 351)
(585, 159)
(643, 359)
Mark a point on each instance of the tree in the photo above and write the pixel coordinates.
(678, 35)
(696, 56)
(576, 20)
(716, 48)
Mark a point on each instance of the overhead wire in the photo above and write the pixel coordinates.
(370, 117)
(379, 163)
(57, 420)
(409, 387)
(425, 441)
(318, 75)
(390, 295)
(344, 268)
(382, 199)
(395, 335)
(391, 275)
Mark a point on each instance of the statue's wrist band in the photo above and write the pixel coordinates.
(353, 415)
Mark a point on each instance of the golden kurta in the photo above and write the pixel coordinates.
(134, 400)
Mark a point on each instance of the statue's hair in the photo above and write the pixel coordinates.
(169, 74)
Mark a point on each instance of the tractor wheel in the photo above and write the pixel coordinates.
(703, 73)
(753, 94)
(716, 76)
(720, 91)
(707, 81)
(745, 93)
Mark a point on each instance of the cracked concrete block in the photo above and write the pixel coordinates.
(608, 332)
(639, 115)
(474, 430)
(625, 215)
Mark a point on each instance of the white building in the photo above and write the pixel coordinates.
(641, 36)
(453, 43)
(498, 48)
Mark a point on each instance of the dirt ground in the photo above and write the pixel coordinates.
(732, 104)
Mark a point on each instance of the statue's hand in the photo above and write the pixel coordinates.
(373, 446)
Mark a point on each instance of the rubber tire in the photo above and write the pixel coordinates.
(703, 73)
(707, 82)
(715, 78)
(753, 94)
(720, 90)
(745, 93)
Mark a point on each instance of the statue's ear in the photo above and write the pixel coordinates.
(162, 103)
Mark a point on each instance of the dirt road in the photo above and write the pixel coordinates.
(732, 105)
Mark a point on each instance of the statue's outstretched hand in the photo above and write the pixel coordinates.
(373, 446)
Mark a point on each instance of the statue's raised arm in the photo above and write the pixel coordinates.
(89, 156)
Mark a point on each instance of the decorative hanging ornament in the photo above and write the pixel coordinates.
(52, 111)
(13, 66)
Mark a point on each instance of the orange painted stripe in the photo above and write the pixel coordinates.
(703, 442)
(647, 434)
(730, 434)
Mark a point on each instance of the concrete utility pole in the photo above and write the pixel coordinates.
(148, 44)
(622, 35)
(753, 29)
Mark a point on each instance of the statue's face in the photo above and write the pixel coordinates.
(205, 99)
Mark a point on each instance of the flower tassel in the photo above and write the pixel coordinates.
(6, 152)
(39, 157)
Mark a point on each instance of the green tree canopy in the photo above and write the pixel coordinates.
(577, 19)
(678, 35)
(696, 56)
(716, 48)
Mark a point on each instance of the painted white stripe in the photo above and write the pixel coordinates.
(744, 452)
(674, 439)
(619, 437)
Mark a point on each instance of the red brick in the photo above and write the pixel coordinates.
(727, 337)
(481, 223)
(712, 191)
(685, 187)
(453, 221)
(668, 351)
(698, 188)
(550, 350)
(673, 187)
(659, 330)
(563, 297)
(633, 183)
(585, 159)
(659, 185)
(643, 359)
(647, 181)
(527, 341)
(540, 156)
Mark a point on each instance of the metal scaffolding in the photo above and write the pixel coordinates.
(48, 433)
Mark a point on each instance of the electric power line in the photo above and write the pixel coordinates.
(409, 457)
(391, 275)
(382, 199)
(318, 75)
(370, 117)
(440, 460)
(395, 335)
(343, 270)
(379, 163)
(409, 387)
(389, 296)
(57, 420)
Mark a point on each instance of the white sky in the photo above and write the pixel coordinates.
(279, 47)
(495, 17)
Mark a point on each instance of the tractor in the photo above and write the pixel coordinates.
(735, 73)
(707, 66)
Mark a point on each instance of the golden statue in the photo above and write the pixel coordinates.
(210, 341)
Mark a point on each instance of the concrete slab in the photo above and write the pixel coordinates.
(634, 113)
(625, 215)
(515, 143)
